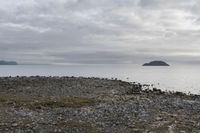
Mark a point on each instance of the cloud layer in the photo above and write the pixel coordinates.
(99, 32)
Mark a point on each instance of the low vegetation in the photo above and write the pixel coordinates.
(50, 102)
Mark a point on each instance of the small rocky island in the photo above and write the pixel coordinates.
(156, 63)
(2, 62)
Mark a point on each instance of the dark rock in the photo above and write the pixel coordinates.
(157, 91)
(180, 94)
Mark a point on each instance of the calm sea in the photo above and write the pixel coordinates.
(173, 78)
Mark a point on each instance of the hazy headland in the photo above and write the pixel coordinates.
(2, 62)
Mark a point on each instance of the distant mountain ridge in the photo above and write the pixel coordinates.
(156, 63)
(2, 62)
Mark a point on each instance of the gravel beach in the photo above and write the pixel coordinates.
(92, 105)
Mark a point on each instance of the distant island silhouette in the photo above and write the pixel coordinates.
(156, 63)
(2, 62)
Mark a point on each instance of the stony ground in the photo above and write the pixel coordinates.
(92, 105)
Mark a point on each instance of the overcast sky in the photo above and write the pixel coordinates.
(99, 31)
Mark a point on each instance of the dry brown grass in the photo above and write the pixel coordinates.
(51, 102)
(87, 127)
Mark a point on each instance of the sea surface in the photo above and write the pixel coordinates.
(174, 78)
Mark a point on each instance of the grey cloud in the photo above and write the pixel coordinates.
(93, 31)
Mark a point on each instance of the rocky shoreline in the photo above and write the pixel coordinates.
(92, 105)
